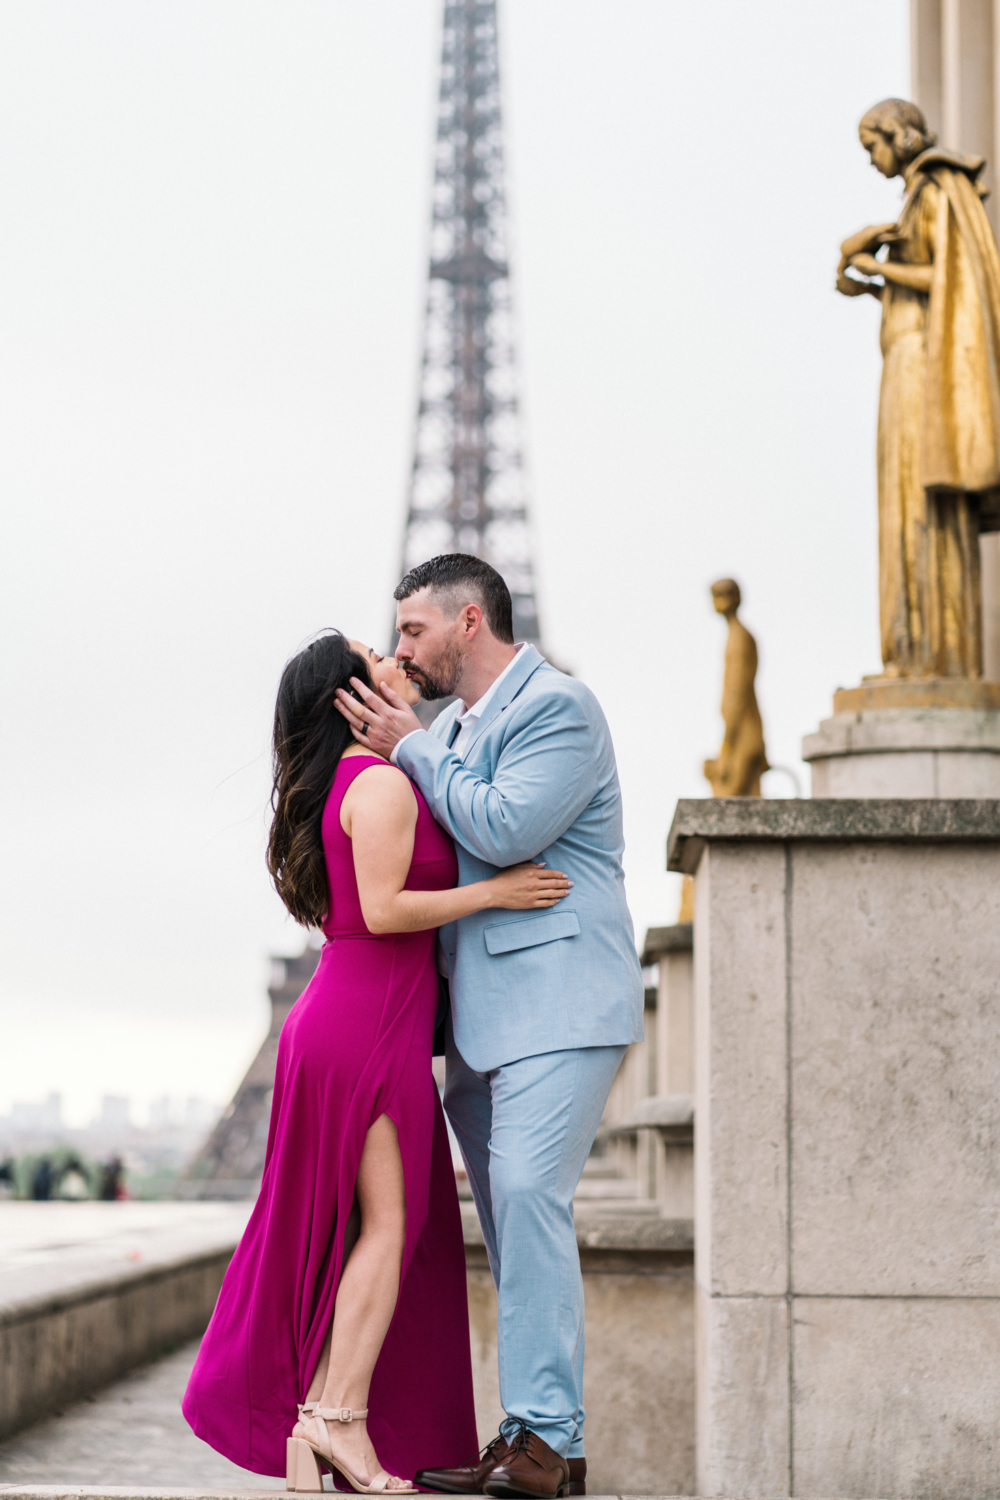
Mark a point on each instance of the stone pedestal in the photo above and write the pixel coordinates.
(847, 1198)
(906, 738)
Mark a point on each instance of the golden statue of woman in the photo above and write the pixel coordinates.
(742, 760)
(939, 409)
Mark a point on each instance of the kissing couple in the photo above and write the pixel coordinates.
(489, 848)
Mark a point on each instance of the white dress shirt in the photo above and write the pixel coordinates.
(468, 721)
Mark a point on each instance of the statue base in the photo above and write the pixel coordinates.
(917, 692)
(909, 737)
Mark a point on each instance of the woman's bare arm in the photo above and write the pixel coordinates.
(379, 815)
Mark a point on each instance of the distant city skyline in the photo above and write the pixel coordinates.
(115, 1114)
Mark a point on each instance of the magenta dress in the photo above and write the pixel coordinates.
(356, 1045)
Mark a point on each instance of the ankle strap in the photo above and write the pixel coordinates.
(332, 1413)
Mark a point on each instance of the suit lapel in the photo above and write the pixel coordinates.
(528, 660)
(443, 727)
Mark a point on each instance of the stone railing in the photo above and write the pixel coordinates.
(647, 1135)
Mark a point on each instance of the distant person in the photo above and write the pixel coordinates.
(112, 1186)
(543, 1006)
(347, 1294)
(8, 1179)
(42, 1181)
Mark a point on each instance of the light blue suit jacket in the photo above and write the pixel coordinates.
(538, 781)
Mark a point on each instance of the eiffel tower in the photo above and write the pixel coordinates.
(467, 483)
(467, 486)
(229, 1164)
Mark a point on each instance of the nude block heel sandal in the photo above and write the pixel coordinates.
(304, 1474)
(321, 1452)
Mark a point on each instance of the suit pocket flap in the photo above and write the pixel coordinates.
(507, 937)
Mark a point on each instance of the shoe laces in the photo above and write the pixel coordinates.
(492, 1445)
(519, 1441)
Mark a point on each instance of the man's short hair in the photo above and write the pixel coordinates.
(463, 579)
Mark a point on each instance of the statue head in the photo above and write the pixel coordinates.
(893, 133)
(726, 596)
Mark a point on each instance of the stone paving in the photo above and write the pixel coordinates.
(131, 1433)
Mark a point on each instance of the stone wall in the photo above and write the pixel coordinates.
(59, 1348)
(847, 1190)
(639, 1372)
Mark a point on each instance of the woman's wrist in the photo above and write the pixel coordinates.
(481, 891)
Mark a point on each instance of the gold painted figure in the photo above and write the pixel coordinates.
(742, 761)
(939, 409)
(739, 765)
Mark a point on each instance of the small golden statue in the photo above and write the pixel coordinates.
(742, 761)
(739, 765)
(939, 409)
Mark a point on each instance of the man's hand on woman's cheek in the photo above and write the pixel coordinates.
(378, 721)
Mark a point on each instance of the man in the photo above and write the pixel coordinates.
(544, 1003)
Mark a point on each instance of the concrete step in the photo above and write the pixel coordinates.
(609, 1224)
(124, 1492)
(127, 1492)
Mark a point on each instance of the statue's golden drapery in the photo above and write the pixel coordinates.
(939, 418)
(939, 411)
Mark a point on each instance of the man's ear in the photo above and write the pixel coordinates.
(472, 618)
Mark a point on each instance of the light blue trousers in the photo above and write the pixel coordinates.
(525, 1131)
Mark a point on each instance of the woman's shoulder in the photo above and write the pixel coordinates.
(380, 795)
(377, 779)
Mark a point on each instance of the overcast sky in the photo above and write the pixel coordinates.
(211, 279)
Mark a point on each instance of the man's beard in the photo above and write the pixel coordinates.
(443, 681)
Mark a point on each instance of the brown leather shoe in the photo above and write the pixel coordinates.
(577, 1476)
(529, 1468)
(467, 1481)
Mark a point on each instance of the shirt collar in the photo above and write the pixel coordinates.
(476, 711)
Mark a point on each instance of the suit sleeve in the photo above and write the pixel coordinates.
(545, 777)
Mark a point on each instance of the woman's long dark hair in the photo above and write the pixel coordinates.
(310, 736)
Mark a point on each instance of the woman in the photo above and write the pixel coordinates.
(347, 1292)
(939, 409)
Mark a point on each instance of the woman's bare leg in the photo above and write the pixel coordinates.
(366, 1298)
